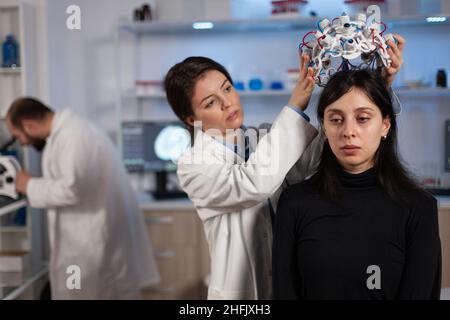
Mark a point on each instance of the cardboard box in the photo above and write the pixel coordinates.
(14, 261)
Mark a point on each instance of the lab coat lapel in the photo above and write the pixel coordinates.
(47, 155)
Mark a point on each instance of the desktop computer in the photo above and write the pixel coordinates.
(150, 146)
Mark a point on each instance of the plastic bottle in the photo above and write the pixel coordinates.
(10, 52)
(146, 12)
(441, 78)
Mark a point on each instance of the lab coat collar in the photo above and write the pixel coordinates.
(58, 121)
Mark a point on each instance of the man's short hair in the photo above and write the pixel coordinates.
(27, 108)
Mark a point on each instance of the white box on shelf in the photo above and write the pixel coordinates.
(197, 10)
(13, 262)
(179, 10)
(218, 9)
(398, 8)
(353, 7)
(11, 278)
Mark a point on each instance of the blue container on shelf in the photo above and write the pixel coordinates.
(276, 85)
(255, 84)
(10, 50)
(239, 85)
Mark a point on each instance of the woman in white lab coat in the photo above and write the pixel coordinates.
(234, 185)
(231, 195)
(99, 247)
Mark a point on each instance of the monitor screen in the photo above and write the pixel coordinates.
(153, 146)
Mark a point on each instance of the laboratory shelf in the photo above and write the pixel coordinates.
(13, 229)
(15, 292)
(219, 26)
(12, 206)
(9, 71)
(248, 93)
(271, 24)
(423, 92)
(405, 92)
(132, 95)
(265, 93)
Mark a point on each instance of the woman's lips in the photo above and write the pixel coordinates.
(233, 115)
(350, 150)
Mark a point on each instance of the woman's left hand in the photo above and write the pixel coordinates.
(396, 53)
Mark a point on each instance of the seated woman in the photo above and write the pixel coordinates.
(360, 228)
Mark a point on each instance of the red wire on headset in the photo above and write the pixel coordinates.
(384, 25)
(318, 41)
(303, 40)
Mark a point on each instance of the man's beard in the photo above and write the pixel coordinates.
(37, 143)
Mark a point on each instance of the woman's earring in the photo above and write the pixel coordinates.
(384, 137)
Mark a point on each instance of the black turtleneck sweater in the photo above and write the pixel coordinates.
(367, 246)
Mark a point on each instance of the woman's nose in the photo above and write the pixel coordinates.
(349, 129)
(226, 103)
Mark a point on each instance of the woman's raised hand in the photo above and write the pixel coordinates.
(305, 85)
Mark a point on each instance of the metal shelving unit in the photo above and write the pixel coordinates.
(405, 92)
(259, 25)
(12, 207)
(10, 71)
(142, 30)
(18, 17)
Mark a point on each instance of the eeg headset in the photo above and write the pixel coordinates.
(344, 44)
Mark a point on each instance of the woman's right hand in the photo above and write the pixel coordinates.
(305, 85)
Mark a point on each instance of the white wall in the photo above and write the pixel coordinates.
(82, 68)
(82, 62)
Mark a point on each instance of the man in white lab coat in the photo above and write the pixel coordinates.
(99, 245)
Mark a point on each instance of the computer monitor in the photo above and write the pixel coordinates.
(151, 146)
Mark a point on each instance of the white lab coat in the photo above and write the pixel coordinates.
(94, 220)
(231, 200)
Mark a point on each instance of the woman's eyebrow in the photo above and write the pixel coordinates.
(223, 83)
(364, 109)
(334, 110)
(206, 98)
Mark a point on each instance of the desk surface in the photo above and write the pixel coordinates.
(146, 202)
(443, 202)
(167, 206)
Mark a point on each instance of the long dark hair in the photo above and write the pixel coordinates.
(391, 174)
(180, 81)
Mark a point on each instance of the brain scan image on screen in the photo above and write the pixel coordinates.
(171, 142)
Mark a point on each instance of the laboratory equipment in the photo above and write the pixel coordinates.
(10, 52)
(285, 7)
(149, 87)
(343, 44)
(441, 78)
(9, 167)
